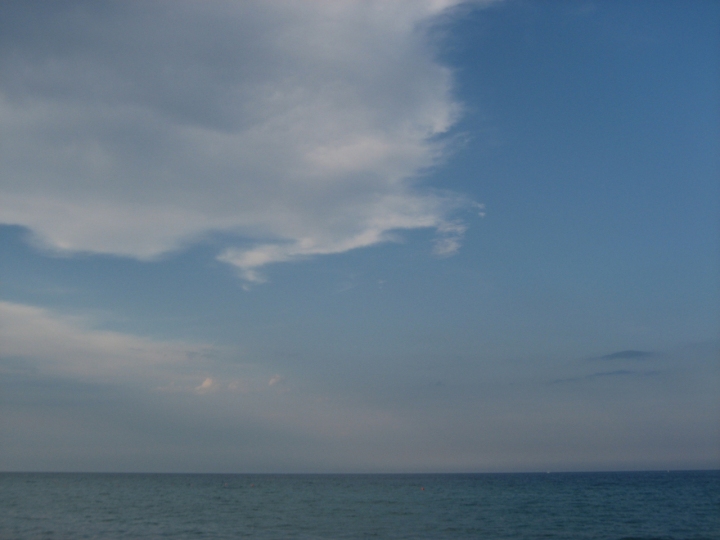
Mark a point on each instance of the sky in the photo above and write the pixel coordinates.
(405, 236)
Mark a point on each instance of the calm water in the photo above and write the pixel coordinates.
(674, 505)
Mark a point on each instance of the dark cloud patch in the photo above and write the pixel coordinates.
(624, 372)
(15, 364)
(609, 374)
(627, 355)
(36, 390)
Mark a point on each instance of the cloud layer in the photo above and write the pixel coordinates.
(74, 397)
(38, 342)
(300, 128)
(627, 355)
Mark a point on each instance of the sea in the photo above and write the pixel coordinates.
(607, 505)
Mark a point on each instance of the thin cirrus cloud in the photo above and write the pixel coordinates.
(41, 343)
(627, 355)
(627, 373)
(300, 128)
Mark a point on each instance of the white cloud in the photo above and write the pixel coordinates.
(298, 127)
(449, 236)
(205, 386)
(62, 346)
(41, 343)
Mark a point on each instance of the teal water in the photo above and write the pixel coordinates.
(649, 505)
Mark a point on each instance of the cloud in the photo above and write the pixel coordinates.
(73, 397)
(449, 238)
(605, 374)
(43, 347)
(205, 386)
(39, 342)
(299, 128)
(626, 355)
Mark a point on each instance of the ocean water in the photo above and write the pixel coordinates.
(646, 505)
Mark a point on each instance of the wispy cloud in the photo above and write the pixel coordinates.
(627, 373)
(38, 341)
(627, 355)
(449, 238)
(297, 126)
(205, 386)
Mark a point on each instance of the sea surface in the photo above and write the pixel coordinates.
(637, 505)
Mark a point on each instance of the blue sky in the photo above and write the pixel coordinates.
(359, 237)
